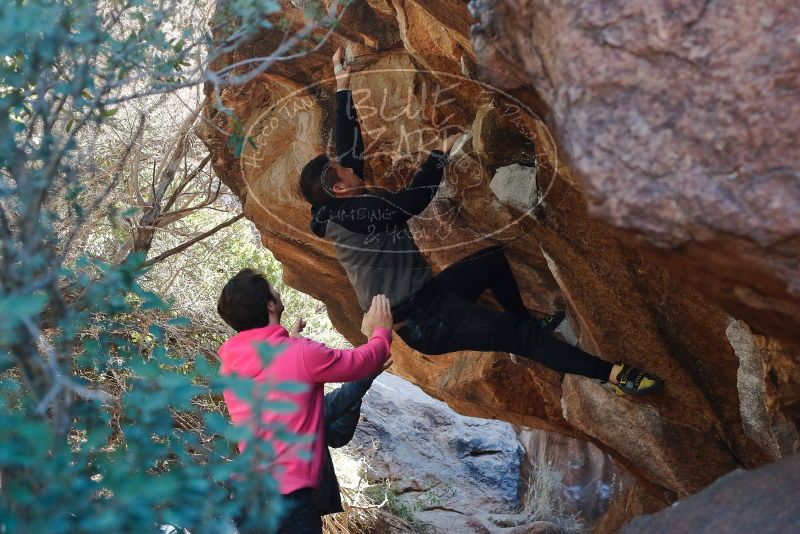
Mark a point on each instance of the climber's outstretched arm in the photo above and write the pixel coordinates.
(416, 196)
(347, 130)
(349, 144)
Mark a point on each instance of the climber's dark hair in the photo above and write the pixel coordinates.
(243, 301)
(316, 180)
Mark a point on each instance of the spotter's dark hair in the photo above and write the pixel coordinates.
(243, 301)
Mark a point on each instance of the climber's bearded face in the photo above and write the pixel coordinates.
(346, 182)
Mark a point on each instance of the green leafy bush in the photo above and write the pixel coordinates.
(93, 402)
(123, 464)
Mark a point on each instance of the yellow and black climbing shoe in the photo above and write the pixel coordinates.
(633, 381)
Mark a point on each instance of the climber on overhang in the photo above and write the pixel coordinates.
(433, 314)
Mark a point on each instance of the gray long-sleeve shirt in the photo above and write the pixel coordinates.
(386, 263)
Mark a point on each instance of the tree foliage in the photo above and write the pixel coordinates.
(91, 395)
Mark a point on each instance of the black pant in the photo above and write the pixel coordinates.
(300, 515)
(443, 317)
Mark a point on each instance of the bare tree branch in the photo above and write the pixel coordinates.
(184, 246)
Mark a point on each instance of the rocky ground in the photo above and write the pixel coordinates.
(453, 473)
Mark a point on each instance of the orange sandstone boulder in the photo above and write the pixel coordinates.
(637, 161)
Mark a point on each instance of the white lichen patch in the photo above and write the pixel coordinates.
(751, 387)
(515, 186)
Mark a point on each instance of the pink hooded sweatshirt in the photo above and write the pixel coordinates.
(301, 360)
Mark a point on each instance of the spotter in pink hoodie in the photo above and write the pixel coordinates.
(300, 360)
